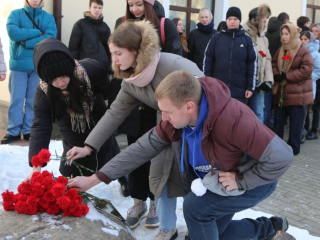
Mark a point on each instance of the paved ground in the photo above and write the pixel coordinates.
(298, 194)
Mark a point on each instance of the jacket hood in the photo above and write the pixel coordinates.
(48, 45)
(274, 26)
(88, 14)
(218, 96)
(158, 8)
(313, 46)
(256, 16)
(26, 3)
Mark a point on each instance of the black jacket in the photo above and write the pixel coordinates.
(197, 43)
(232, 58)
(89, 39)
(273, 35)
(42, 123)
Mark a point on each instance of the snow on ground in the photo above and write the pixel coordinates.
(14, 168)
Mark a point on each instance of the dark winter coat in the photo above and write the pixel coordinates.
(42, 123)
(232, 58)
(89, 39)
(230, 131)
(273, 35)
(197, 43)
(298, 88)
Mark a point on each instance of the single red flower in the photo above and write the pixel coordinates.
(85, 209)
(45, 173)
(37, 177)
(71, 193)
(66, 213)
(31, 210)
(8, 206)
(78, 211)
(48, 182)
(284, 58)
(35, 161)
(62, 180)
(53, 208)
(20, 197)
(7, 196)
(24, 188)
(37, 189)
(289, 57)
(20, 207)
(44, 155)
(58, 189)
(78, 199)
(32, 201)
(48, 197)
(64, 202)
(43, 204)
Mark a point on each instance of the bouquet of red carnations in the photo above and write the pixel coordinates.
(44, 193)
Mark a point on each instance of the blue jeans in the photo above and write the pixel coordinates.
(166, 208)
(210, 216)
(256, 103)
(268, 100)
(22, 87)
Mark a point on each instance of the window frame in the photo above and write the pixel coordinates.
(314, 8)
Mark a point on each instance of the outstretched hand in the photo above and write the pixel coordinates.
(83, 184)
(37, 169)
(78, 152)
(228, 180)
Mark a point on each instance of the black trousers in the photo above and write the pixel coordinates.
(139, 178)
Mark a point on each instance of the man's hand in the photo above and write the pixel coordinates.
(228, 180)
(83, 184)
(78, 152)
(34, 169)
(248, 94)
(2, 77)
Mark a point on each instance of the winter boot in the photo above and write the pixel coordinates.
(136, 213)
(124, 186)
(279, 224)
(152, 220)
(312, 135)
(171, 235)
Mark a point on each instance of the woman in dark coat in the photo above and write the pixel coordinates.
(180, 28)
(71, 94)
(199, 38)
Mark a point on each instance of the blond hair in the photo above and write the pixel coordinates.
(203, 10)
(179, 86)
(317, 25)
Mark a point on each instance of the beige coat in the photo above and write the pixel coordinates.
(3, 68)
(261, 43)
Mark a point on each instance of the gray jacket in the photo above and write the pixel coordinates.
(3, 68)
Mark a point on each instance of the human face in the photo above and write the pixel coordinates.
(304, 40)
(204, 17)
(264, 22)
(136, 7)
(285, 35)
(179, 118)
(180, 26)
(95, 10)
(123, 57)
(315, 32)
(61, 82)
(233, 23)
(34, 3)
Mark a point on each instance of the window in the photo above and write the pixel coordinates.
(188, 10)
(313, 10)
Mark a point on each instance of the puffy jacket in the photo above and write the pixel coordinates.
(89, 39)
(20, 29)
(197, 43)
(232, 58)
(313, 48)
(298, 88)
(3, 68)
(273, 35)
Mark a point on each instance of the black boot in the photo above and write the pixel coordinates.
(312, 135)
(124, 186)
(9, 139)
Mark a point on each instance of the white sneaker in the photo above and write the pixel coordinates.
(171, 235)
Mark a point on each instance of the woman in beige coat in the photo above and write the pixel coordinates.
(3, 68)
(255, 28)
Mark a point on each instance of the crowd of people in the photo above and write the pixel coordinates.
(208, 105)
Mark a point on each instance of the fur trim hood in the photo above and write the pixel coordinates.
(149, 47)
(257, 14)
(26, 3)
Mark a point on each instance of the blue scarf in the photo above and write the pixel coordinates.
(205, 28)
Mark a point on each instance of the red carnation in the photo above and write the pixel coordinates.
(37, 189)
(284, 58)
(36, 162)
(44, 155)
(7, 196)
(85, 209)
(289, 57)
(20, 197)
(43, 204)
(45, 173)
(48, 182)
(66, 213)
(48, 197)
(64, 202)
(8, 206)
(32, 201)
(58, 189)
(72, 193)
(20, 206)
(31, 210)
(78, 211)
(53, 208)
(24, 188)
(62, 180)
(37, 177)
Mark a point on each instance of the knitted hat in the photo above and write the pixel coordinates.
(148, 1)
(253, 13)
(234, 12)
(55, 64)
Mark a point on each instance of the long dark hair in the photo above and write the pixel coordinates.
(149, 14)
(77, 95)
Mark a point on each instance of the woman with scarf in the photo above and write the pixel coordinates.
(71, 94)
(292, 67)
(137, 60)
(179, 24)
(199, 38)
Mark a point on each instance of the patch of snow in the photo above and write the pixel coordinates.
(110, 231)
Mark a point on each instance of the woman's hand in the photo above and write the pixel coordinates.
(78, 152)
(83, 184)
(34, 169)
(248, 94)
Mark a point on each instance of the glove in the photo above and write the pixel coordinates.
(277, 78)
(258, 86)
(266, 86)
(283, 76)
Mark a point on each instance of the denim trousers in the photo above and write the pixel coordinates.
(268, 100)
(296, 119)
(256, 103)
(166, 208)
(210, 216)
(22, 87)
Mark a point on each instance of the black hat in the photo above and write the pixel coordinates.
(55, 64)
(253, 13)
(234, 12)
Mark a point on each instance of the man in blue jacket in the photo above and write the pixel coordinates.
(26, 27)
(232, 58)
